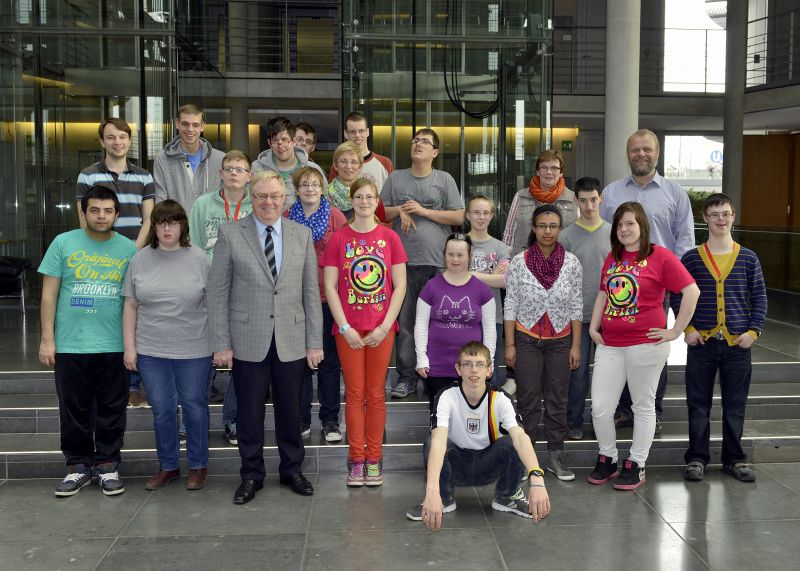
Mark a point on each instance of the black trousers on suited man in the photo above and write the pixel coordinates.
(253, 383)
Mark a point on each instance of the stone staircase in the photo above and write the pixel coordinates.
(29, 425)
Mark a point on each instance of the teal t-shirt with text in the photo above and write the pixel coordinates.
(89, 310)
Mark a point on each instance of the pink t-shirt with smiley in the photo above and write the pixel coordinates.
(365, 265)
(635, 293)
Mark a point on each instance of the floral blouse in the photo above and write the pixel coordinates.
(527, 300)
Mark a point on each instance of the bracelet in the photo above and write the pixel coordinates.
(536, 472)
(537, 486)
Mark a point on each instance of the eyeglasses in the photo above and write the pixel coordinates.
(545, 227)
(356, 131)
(280, 140)
(270, 197)
(237, 170)
(419, 141)
(480, 212)
(310, 185)
(479, 365)
(720, 215)
(549, 169)
(169, 224)
(345, 162)
(366, 197)
(302, 141)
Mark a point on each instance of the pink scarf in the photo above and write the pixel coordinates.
(546, 270)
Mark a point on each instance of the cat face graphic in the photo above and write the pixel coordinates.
(452, 310)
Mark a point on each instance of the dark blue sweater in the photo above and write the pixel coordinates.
(741, 295)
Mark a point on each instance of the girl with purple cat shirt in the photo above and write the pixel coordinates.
(453, 308)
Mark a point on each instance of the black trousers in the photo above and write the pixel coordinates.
(92, 393)
(253, 381)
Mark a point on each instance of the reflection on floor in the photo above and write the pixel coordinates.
(667, 524)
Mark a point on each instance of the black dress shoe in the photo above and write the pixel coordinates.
(246, 491)
(299, 483)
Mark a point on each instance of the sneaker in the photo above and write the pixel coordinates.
(305, 430)
(510, 387)
(355, 477)
(740, 471)
(401, 391)
(517, 504)
(331, 432)
(136, 399)
(658, 425)
(575, 434)
(374, 475)
(623, 420)
(74, 481)
(110, 482)
(604, 470)
(631, 476)
(694, 471)
(230, 434)
(558, 468)
(415, 513)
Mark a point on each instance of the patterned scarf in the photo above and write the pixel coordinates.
(317, 222)
(339, 195)
(546, 196)
(546, 270)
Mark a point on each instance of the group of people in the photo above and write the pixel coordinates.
(275, 271)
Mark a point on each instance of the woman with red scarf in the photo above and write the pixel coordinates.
(547, 187)
(542, 320)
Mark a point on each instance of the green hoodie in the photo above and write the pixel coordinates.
(208, 214)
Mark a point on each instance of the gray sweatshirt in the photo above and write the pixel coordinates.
(266, 162)
(174, 178)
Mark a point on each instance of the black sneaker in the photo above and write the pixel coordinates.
(110, 482)
(415, 513)
(331, 432)
(631, 476)
(74, 481)
(516, 504)
(740, 471)
(305, 430)
(230, 434)
(604, 471)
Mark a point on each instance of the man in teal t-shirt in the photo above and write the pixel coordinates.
(83, 271)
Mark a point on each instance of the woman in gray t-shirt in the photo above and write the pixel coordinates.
(164, 325)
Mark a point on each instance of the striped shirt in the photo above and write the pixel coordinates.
(733, 303)
(131, 187)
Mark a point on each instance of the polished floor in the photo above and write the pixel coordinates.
(667, 524)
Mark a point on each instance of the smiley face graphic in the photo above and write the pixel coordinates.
(623, 291)
(368, 274)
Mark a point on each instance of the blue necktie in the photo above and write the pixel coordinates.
(269, 252)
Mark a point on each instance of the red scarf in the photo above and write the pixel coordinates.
(546, 270)
(546, 196)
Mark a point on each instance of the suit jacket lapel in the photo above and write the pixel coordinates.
(250, 234)
(290, 238)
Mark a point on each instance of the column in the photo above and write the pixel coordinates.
(733, 119)
(622, 83)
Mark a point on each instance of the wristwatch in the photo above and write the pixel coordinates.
(536, 472)
(344, 328)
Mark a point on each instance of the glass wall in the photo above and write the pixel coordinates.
(476, 71)
(64, 67)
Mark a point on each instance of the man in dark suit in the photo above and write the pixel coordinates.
(265, 318)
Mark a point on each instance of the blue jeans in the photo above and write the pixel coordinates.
(229, 405)
(579, 382)
(134, 381)
(497, 380)
(405, 352)
(464, 467)
(329, 376)
(735, 369)
(168, 382)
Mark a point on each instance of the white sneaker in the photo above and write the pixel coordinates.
(510, 387)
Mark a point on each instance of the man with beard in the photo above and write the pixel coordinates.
(81, 317)
(669, 213)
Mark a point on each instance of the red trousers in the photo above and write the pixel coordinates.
(365, 394)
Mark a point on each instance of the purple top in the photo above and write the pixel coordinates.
(455, 320)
